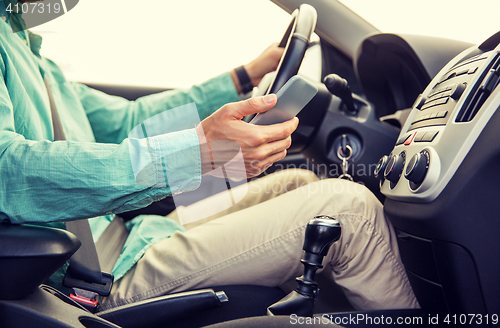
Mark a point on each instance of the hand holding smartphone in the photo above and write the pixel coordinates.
(292, 97)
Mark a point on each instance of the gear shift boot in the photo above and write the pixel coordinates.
(321, 232)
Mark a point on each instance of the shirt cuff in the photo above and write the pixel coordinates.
(177, 160)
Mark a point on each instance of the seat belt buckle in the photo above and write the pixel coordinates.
(87, 292)
(102, 289)
(85, 299)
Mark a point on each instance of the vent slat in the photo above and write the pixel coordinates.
(478, 104)
(468, 112)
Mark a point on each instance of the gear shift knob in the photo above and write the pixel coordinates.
(321, 232)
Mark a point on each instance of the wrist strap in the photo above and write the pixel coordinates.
(245, 82)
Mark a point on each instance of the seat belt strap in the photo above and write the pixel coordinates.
(84, 264)
(110, 244)
(56, 122)
(84, 271)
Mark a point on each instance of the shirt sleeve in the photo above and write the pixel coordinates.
(44, 181)
(112, 117)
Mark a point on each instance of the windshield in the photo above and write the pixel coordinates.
(471, 21)
(160, 43)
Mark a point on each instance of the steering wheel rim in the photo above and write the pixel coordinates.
(296, 41)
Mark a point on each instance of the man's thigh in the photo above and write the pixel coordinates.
(256, 192)
(258, 245)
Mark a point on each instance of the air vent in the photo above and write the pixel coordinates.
(478, 98)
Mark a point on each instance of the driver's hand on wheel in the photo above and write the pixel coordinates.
(223, 134)
(265, 63)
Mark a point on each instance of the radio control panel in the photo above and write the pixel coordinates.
(444, 123)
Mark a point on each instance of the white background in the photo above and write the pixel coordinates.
(173, 43)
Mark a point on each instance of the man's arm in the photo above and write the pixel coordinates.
(44, 181)
(112, 117)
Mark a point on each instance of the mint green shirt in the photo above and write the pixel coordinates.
(90, 174)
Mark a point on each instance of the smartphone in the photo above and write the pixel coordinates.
(292, 97)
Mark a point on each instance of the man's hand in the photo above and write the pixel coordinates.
(266, 62)
(223, 134)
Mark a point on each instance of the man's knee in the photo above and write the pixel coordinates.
(289, 179)
(342, 196)
(299, 177)
(337, 188)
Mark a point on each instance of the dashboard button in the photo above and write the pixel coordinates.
(429, 136)
(442, 101)
(431, 103)
(403, 139)
(436, 94)
(410, 139)
(457, 91)
(419, 102)
(447, 77)
(421, 118)
(446, 94)
(418, 119)
(427, 105)
(419, 136)
(442, 114)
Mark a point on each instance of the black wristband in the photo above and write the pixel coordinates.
(245, 82)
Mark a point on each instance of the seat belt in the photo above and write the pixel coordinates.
(84, 273)
(110, 244)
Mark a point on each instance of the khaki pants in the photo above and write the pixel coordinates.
(259, 241)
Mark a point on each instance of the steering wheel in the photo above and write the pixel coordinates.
(295, 41)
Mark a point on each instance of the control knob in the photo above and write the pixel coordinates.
(417, 168)
(394, 168)
(379, 170)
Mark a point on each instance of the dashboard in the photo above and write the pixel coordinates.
(441, 186)
(444, 122)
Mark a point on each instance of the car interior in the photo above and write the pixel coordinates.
(415, 119)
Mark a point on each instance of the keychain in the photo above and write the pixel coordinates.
(345, 164)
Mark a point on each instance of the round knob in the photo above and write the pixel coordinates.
(417, 168)
(381, 165)
(321, 232)
(395, 167)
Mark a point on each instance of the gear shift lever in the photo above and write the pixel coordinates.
(340, 88)
(321, 232)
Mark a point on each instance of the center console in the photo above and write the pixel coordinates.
(442, 188)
